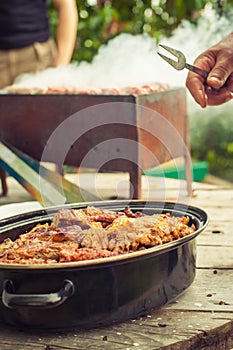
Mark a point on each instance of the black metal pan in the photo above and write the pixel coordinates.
(101, 291)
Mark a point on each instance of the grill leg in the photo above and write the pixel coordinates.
(188, 175)
(135, 182)
(3, 182)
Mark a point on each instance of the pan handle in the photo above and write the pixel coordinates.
(46, 301)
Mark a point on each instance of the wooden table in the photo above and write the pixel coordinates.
(200, 318)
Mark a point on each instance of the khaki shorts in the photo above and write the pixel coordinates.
(26, 60)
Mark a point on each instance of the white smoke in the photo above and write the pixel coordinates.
(125, 61)
(132, 60)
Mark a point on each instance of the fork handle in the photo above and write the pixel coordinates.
(197, 70)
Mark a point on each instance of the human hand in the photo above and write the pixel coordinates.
(218, 87)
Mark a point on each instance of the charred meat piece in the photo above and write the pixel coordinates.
(104, 216)
(5, 246)
(129, 234)
(74, 254)
(69, 233)
(65, 217)
(128, 212)
(32, 249)
(95, 238)
(49, 233)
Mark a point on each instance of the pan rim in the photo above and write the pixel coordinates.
(191, 211)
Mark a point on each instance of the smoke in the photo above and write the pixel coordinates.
(132, 60)
(126, 60)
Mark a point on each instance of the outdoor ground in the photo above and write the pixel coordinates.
(105, 184)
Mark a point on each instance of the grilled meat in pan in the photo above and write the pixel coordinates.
(92, 233)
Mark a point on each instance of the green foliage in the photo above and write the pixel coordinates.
(212, 140)
(103, 20)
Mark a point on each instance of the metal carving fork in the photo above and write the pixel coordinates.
(181, 63)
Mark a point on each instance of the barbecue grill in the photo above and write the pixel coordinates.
(28, 121)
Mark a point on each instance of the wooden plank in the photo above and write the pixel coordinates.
(220, 213)
(213, 198)
(215, 257)
(216, 234)
(215, 239)
(211, 291)
(169, 329)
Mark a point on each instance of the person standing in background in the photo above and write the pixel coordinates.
(26, 45)
(25, 38)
